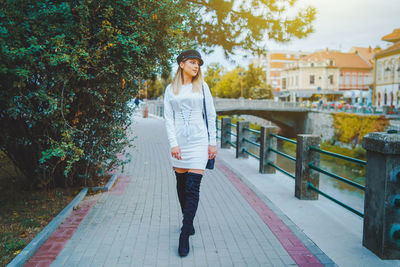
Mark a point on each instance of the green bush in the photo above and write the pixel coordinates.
(67, 71)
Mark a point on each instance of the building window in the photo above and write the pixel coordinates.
(330, 78)
(330, 62)
(347, 79)
(360, 78)
(312, 79)
(379, 99)
(297, 80)
(354, 79)
(385, 99)
(283, 83)
(386, 70)
(391, 98)
(341, 79)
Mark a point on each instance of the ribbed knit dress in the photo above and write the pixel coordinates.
(186, 127)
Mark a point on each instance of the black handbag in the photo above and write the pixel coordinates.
(210, 162)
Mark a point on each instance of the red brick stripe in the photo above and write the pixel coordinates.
(295, 248)
(49, 251)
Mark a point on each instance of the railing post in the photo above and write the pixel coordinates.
(225, 135)
(240, 143)
(304, 174)
(267, 141)
(381, 232)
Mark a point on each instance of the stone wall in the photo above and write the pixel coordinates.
(321, 124)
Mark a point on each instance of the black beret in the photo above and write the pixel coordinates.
(189, 54)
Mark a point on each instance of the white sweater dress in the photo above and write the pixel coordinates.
(186, 127)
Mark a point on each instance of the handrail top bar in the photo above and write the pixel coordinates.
(251, 142)
(252, 130)
(358, 161)
(283, 138)
(282, 154)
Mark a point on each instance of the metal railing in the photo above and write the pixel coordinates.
(311, 165)
(282, 154)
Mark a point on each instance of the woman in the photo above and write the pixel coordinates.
(191, 144)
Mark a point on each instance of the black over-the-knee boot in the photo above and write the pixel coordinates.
(180, 188)
(192, 190)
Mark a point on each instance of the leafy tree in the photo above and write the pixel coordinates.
(157, 87)
(229, 86)
(213, 76)
(67, 72)
(236, 24)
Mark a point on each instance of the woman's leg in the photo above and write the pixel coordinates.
(192, 191)
(180, 185)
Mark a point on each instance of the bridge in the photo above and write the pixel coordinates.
(291, 118)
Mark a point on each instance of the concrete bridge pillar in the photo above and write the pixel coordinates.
(225, 135)
(304, 174)
(381, 232)
(265, 154)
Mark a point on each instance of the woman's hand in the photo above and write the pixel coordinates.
(212, 152)
(176, 152)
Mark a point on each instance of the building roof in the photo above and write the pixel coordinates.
(341, 60)
(392, 37)
(367, 53)
(390, 49)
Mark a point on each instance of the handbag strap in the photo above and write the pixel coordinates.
(205, 110)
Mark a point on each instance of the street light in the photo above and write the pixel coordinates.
(241, 75)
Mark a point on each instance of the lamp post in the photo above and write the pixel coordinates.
(241, 76)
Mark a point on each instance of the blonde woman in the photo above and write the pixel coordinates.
(191, 144)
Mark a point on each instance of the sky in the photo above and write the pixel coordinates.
(339, 25)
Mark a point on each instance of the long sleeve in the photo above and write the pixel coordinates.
(169, 118)
(211, 116)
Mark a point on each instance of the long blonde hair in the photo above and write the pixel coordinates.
(197, 81)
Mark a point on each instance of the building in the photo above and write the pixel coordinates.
(328, 75)
(387, 73)
(273, 64)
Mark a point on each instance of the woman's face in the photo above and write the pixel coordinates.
(190, 67)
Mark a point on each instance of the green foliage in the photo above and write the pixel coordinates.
(157, 87)
(351, 128)
(213, 76)
(231, 84)
(244, 25)
(68, 70)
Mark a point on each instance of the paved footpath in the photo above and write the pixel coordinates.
(138, 222)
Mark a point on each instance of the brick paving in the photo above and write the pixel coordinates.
(137, 223)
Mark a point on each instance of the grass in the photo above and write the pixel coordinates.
(24, 215)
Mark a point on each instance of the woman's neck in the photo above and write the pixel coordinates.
(187, 79)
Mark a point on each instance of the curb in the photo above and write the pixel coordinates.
(38, 241)
(107, 187)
